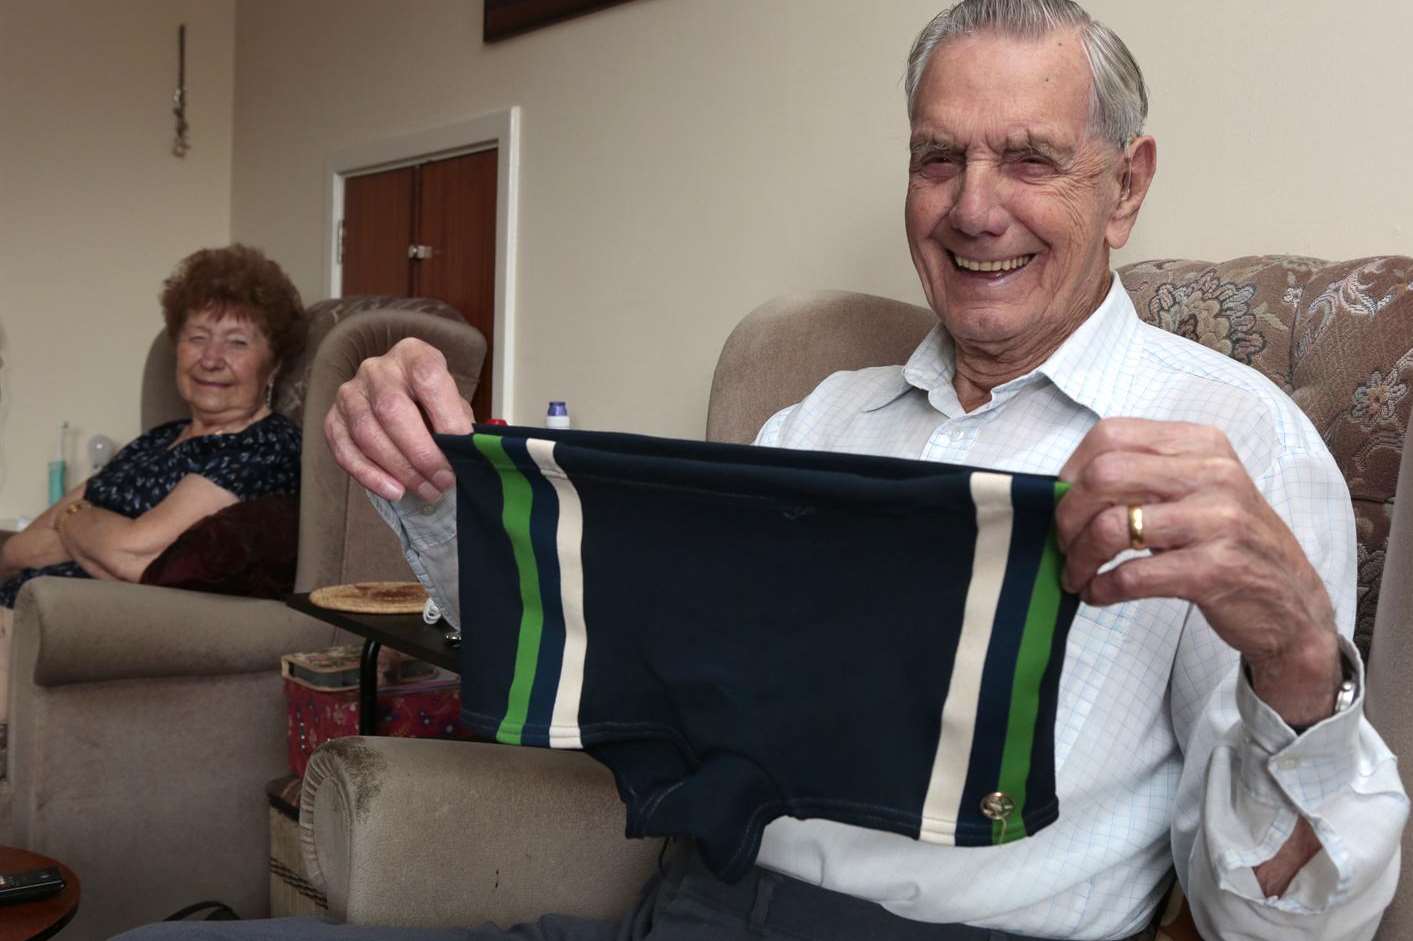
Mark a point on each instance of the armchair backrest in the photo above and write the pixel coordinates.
(341, 539)
(160, 402)
(1389, 704)
(786, 346)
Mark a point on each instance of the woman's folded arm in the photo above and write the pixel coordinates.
(112, 546)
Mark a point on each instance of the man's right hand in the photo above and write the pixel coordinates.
(380, 426)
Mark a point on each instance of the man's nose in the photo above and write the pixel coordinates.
(978, 210)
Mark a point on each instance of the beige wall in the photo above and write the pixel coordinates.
(684, 160)
(94, 210)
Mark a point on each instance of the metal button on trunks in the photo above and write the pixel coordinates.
(742, 633)
(997, 806)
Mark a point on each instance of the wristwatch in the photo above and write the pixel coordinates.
(1344, 696)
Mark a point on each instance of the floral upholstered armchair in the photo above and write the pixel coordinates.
(1336, 336)
(541, 830)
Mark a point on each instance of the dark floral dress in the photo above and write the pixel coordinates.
(262, 459)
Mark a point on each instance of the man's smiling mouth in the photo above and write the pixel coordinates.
(996, 266)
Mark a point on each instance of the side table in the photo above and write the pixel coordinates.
(405, 633)
(40, 918)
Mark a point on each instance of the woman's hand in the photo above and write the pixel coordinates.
(38, 544)
(35, 547)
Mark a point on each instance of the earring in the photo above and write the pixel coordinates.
(270, 392)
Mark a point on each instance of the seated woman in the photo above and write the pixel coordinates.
(234, 317)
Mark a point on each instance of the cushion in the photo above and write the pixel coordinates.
(247, 549)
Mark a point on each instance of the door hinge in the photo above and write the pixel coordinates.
(419, 252)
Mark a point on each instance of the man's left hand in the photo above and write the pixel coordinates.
(1215, 541)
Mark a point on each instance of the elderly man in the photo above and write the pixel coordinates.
(1210, 716)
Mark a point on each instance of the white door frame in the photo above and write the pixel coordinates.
(499, 129)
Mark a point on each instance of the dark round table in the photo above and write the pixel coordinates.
(40, 918)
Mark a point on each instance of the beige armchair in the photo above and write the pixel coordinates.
(540, 831)
(145, 722)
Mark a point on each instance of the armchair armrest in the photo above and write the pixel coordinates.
(423, 833)
(154, 717)
(70, 630)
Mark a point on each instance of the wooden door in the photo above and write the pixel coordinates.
(428, 231)
(377, 228)
(456, 219)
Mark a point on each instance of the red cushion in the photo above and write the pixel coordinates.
(247, 549)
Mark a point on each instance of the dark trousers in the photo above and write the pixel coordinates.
(685, 903)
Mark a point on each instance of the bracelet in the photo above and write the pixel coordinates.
(70, 510)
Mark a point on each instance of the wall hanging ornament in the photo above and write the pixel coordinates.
(181, 143)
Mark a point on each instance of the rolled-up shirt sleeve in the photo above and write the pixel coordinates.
(1248, 777)
(427, 532)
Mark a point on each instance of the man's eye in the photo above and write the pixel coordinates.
(1031, 166)
(940, 166)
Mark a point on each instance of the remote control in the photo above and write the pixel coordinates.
(34, 884)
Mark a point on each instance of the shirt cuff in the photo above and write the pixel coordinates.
(427, 532)
(419, 524)
(1302, 770)
(1337, 775)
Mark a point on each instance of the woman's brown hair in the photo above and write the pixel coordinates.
(240, 280)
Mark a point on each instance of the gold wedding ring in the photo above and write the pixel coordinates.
(1135, 527)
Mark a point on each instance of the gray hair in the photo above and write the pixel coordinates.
(1118, 99)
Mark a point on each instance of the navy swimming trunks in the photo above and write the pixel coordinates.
(741, 633)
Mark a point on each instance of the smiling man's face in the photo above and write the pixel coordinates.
(1012, 203)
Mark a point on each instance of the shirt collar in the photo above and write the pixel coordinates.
(1093, 367)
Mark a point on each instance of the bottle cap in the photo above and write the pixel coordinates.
(558, 408)
(496, 421)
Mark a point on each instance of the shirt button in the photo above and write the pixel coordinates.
(428, 509)
(1289, 762)
(997, 806)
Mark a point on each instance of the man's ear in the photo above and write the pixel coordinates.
(1139, 165)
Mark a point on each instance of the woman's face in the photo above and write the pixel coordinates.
(223, 363)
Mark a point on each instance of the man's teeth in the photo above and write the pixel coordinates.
(1007, 264)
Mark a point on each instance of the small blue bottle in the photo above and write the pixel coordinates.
(557, 416)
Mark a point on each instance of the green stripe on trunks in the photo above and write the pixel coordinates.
(1033, 658)
(515, 517)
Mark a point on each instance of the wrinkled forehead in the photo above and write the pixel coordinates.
(1008, 91)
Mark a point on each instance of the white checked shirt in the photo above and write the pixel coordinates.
(1163, 753)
